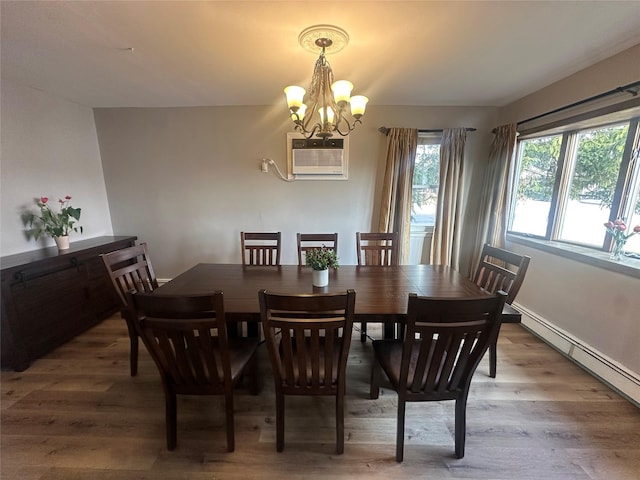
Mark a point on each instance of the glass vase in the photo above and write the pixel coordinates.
(618, 251)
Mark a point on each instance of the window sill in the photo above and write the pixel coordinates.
(626, 266)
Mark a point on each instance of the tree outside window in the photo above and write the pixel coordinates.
(424, 193)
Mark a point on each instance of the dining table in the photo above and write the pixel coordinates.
(381, 292)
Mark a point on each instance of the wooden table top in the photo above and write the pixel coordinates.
(380, 291)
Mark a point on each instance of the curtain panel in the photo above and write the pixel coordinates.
(395, 210)
(445, 247)
(498, 182)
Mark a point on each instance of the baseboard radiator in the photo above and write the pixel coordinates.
(615, 375)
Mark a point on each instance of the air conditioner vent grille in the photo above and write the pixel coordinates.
(317, 158)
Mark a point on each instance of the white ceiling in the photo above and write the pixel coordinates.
(188, 53)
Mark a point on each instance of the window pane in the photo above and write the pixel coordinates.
(598, 155)
(538, 160)
(426, 176)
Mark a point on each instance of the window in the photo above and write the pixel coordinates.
(572, 182)
(426, 176)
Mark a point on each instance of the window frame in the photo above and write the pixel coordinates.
(626, 188)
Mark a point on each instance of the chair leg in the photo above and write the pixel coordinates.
(133, 348)
(340, 423)
(400, 327)
(493, 358)
(254, 378)
(374, 389)
(279, 421)
(133, 360)
(493, 355)
(171, 419)
(388, 331)
(461, 425)
(253, 329)
(363, 332)
(400, 432)
(228, 405)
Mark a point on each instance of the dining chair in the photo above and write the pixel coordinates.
(186, 336)
(130, 269)
(500, 269)
(308, 241)
(379, 249)
(311, 356)
(444, 341)
(260, 248)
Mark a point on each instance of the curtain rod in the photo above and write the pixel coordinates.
(623, 89)
(385, 130)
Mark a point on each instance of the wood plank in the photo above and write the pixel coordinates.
(77, 414)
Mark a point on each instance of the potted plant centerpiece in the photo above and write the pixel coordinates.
(321, 260)
(57, 224)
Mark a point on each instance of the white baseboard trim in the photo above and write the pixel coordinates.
(615, 375)
(162, 281)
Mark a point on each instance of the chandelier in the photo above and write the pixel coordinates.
(325, 110)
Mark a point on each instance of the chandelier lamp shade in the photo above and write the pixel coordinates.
(327, 106)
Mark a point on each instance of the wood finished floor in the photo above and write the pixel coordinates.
(78, 415)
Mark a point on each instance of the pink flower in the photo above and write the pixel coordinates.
(617, 230)
(44, 199)
(67, 198)
(60, 201)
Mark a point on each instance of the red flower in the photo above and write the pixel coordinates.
(67, 197)
(44, 199)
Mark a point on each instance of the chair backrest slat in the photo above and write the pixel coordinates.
(445, 340)
(186, 337)
(377, 248)
(260, 248)
(315, 335)
(130, 269)
(501, 269)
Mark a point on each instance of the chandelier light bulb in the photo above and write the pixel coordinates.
(295, 96)
(329, 116)
(342, 90)
(300, 113)
(358, 105)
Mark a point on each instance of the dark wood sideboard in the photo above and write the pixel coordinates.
(50, 296)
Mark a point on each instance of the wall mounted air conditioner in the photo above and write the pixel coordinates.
(317, 158)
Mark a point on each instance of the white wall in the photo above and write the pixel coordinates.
(188, 180)
(48, 148)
